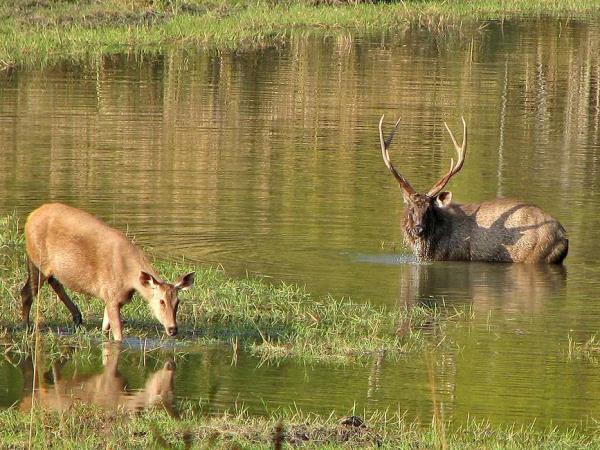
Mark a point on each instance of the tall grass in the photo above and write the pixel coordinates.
(91, 427)
(33, 33)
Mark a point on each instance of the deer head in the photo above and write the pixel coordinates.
(421, 209)
(164, 300)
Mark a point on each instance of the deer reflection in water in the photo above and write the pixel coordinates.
(520, 290)
(515, 287)
(107, 389)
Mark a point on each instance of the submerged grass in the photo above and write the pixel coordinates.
(272, 321)
(91, 427)
(39, 32)
(588, 349)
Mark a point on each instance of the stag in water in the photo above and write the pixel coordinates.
(498, 230)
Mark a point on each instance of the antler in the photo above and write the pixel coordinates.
(461, 150)
(385, 143)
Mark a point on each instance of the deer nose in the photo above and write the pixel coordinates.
(172, 331)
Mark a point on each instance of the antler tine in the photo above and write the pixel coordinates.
(461, 150)
(385, 143)
(388, 141)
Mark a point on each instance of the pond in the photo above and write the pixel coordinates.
(267, 163)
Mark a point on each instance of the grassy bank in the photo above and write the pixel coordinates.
(88, 427)
(38, 32)
(271, 321)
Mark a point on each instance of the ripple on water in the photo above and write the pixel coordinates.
(267, 162)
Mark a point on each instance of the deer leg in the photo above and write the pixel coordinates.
(105, 321)
(35, 280)
(113, 311)
(26, 302)
(62, 295)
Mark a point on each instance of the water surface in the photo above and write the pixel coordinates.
(267, 163)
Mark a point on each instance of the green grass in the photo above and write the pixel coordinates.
(86, 427)
(268, 320)
(41, 32)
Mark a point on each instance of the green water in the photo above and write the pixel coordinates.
(268, 163)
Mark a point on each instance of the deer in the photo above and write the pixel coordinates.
(497, 230)
(68, 247)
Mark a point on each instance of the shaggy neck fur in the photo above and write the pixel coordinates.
(426, 248)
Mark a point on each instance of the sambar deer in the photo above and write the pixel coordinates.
(67, 246)
(499, 230)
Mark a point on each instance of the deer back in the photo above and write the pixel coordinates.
(499, 230)
(82, 251)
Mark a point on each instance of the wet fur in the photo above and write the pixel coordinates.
(501, 230)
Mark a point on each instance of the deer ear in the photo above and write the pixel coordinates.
(148, 280)
(443, 199)
(186, 281)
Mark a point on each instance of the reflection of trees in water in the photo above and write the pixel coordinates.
(259, 152)
(179, 114)
(108, 389)
(526, 290)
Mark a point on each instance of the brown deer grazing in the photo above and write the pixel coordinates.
(67, 246)
(499, 230)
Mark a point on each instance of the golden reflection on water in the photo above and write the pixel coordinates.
(107, 389)
(267, 162)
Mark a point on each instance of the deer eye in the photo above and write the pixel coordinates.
(162, 303)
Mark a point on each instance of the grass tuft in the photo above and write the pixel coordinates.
(588, 349)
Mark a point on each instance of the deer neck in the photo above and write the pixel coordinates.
(427, 248)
